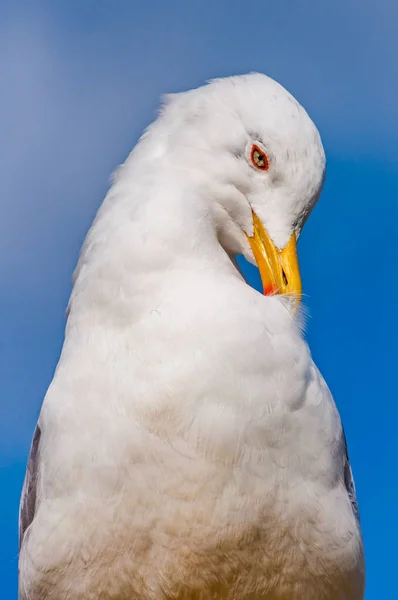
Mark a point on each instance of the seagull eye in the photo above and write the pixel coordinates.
(259, 159)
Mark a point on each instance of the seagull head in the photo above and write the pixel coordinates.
(253, 153)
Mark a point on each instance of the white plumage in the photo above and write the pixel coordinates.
(188, 447)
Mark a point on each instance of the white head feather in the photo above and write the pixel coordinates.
(209, 132)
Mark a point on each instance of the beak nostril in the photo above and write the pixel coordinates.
(285, 281)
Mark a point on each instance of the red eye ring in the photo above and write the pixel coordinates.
(259, 158)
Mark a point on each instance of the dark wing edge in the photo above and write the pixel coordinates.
(27, 505)
(349, 481)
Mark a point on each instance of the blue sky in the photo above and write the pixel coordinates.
(79, 82)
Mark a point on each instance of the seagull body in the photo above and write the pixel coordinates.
(188, 447)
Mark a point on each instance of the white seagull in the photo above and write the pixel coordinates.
(188, 448)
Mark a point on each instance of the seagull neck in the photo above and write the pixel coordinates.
(147, 227)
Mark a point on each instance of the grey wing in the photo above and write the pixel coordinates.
(349, 481)
(347, 474)
(27, 506)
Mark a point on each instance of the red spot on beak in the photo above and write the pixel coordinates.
(270, 289)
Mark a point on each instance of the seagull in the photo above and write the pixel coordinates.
(188, 448)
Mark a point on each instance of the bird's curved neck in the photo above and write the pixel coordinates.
(149, 225)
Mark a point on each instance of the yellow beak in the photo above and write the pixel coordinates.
(279, 270)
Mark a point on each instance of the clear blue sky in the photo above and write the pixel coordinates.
(79, 81)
